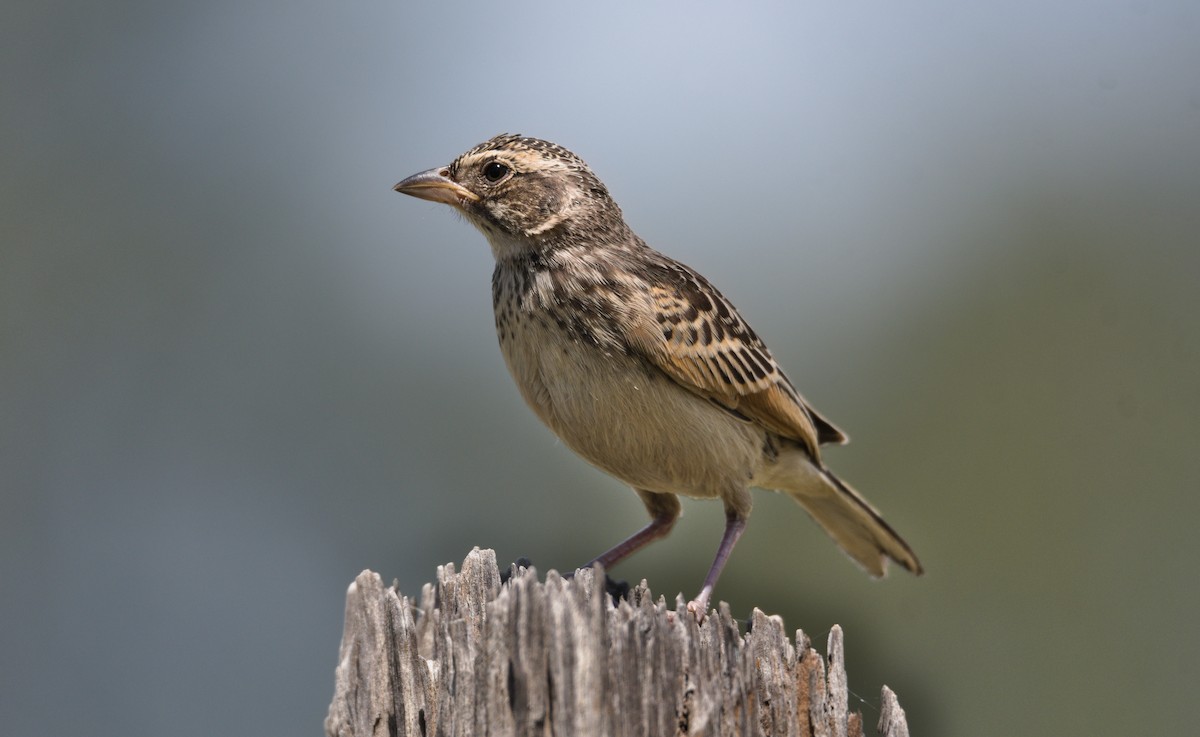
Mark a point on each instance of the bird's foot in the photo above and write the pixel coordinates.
(519, 563)
(618, 591)
(698, 607)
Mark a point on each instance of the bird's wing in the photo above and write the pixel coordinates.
(695, 336)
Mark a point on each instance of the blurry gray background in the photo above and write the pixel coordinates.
(236, 368)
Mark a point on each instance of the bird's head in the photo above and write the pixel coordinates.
(523, 193)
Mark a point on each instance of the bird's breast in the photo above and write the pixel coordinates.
(612, 407)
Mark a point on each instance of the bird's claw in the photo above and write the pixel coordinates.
(698, 609)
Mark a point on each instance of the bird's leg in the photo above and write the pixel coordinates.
(664, 510)
(735, 524)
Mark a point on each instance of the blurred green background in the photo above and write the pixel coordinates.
(236, 368)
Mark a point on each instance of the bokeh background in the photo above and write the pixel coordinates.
(236, 368)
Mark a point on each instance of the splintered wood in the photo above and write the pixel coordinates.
(475, 657)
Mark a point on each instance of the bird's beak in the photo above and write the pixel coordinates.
(435, 186)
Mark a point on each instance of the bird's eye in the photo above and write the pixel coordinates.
(494, 171)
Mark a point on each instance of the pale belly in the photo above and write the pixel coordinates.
(630, 420)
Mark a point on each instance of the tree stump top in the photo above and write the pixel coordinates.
(477, 657)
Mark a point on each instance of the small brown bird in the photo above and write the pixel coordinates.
(637, 362)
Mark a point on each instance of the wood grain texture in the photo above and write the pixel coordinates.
(474, 657)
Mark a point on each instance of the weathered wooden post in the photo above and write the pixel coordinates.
(475, 657)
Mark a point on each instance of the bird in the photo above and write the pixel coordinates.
(638, 363)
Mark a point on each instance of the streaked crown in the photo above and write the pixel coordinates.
(524, 194)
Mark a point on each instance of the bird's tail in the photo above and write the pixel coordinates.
(854, 524)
